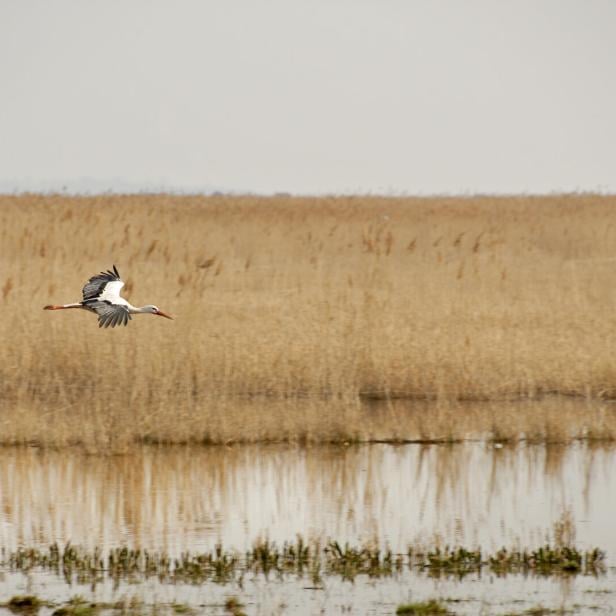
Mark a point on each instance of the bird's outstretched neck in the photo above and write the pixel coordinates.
(149, 309)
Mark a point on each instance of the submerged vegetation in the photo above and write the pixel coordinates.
(310, 319)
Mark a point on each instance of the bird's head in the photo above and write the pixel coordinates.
(155, 310)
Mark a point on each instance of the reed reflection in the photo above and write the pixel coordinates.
(177, 499)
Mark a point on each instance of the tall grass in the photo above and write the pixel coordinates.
(451, 299)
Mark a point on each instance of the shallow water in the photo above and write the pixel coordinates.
(192, 499)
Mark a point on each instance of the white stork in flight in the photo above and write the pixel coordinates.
(101, 294)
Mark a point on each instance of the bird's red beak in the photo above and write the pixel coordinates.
(160, 313)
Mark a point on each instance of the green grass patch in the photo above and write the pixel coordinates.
(299, 558)
(422, 608)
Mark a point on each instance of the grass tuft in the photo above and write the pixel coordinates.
(423, 608)
(24, 604)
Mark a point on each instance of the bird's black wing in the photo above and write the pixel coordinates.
(109, 315)
(96, 285)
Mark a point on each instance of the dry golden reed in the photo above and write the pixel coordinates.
(291, 311)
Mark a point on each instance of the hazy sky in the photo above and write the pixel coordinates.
(309, 96)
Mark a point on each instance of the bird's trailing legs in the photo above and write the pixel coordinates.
(62, 306)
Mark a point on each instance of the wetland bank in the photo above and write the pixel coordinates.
(374, 373)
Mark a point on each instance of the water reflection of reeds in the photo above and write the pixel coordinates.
(175, 499)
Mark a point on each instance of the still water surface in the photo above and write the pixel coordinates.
(192, 499)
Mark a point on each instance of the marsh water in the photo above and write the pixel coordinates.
(182, 499)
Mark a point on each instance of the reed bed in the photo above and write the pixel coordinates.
(294, 315)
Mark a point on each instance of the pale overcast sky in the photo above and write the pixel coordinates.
(308, 96)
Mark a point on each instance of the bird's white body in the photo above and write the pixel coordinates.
(101, 294)
(111, 293)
